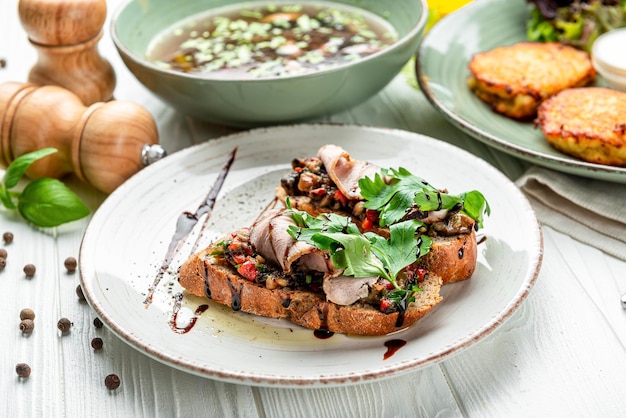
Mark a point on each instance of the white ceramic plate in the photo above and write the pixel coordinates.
(127, 239)
(442, 73)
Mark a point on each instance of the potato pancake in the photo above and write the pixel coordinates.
(515, 79)
(588, 123)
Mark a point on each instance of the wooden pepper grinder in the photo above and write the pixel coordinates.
(103, 144)
(65, 34)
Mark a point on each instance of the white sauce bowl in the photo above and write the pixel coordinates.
(609, 58)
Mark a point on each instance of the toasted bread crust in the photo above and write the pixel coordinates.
(452, 258)
(515, 79)
(302, 307)
(588, 123)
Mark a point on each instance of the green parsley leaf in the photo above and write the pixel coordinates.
(404, 190)
(475, 205)
(48, 202)
(401, 249)
(354, 254)
(394, 199)
(361, 255)
(308, 226)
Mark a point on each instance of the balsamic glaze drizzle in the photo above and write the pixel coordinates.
(323, 334)
(178, 298)
(205, 274)
(185, 224)
(235, 302)
(392, 347)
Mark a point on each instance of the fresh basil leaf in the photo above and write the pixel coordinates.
(48, 202)
(18, 167)
(5, 198)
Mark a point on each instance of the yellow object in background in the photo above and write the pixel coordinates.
(440, 8)
(436, 10)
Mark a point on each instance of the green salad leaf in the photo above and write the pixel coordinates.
(575, 23)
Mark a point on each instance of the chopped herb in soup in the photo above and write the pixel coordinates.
(268, 40)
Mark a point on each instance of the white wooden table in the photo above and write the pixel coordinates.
(563, 353)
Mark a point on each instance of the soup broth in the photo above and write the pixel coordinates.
(258, 40)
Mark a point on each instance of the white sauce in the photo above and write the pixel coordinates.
(609, 51)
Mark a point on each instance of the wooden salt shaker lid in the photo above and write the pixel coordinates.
(65, 34)
(62, 22)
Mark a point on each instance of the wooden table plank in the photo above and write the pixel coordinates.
(561, 354)
(557, 356)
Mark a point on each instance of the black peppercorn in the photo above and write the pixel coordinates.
(27, 313)
(7, 237)
(3, 263)
(64, 325)
(22, 370)
(27, 326)
(80, 294)
(29, 270)
(3, 253)
(97, 343)
(112, 381)
(70, 264)
(97, 323)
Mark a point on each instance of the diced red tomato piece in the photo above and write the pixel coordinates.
(248, 270)
(421, 273)
(367, 225)
(385, 304)
(372, 215)
(340, 197)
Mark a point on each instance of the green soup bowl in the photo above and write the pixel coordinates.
(249, 102)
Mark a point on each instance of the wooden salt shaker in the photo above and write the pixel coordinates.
(103, 144)
(65, 34)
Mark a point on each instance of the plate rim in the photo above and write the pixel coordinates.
(327, 380)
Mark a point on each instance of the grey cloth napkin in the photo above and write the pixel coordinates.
(591, 211)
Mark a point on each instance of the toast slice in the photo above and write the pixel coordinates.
(208, 274)
(316, 257)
